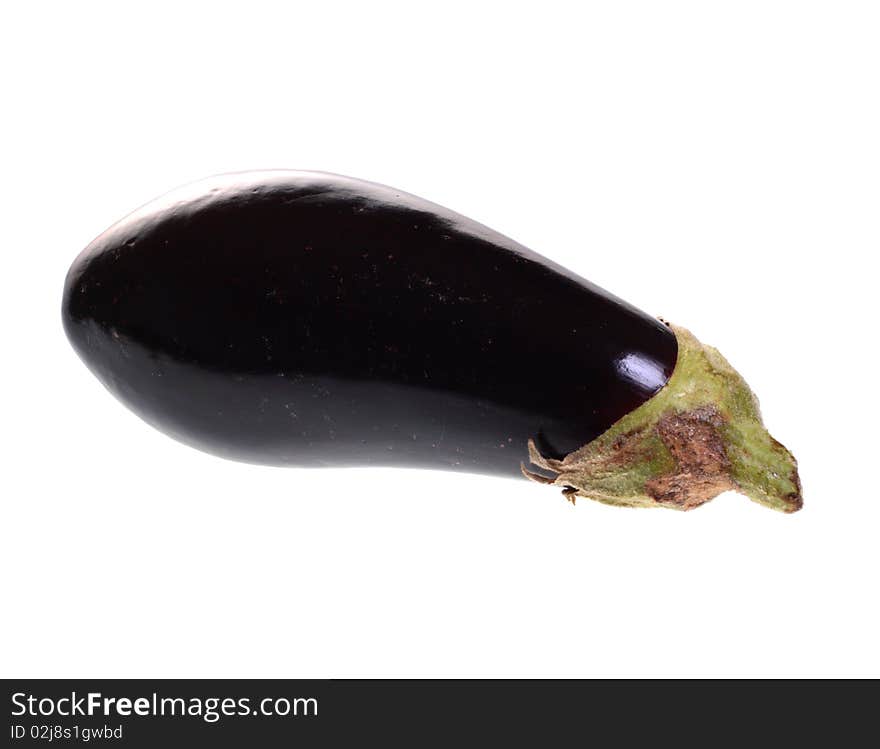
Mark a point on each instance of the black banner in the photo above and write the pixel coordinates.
(170, 713)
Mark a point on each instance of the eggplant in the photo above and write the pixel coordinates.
(309, 319)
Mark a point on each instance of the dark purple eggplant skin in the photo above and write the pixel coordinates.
(309, 319)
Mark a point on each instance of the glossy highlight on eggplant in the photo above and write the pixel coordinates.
(308, 319)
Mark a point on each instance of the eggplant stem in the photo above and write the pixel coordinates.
(698, 436)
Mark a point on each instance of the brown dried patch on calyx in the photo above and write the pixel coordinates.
(693, 439)
(702, 466)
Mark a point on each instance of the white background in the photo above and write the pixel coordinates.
(714, 163)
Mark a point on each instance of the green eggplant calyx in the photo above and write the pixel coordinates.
(701, 434)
